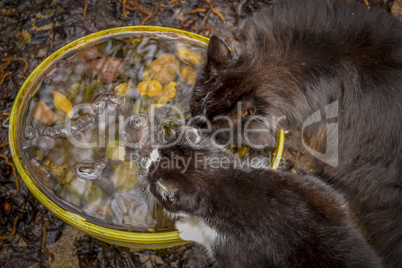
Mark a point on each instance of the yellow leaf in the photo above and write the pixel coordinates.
(125, 177)
(188, 75)
(154, 89)
(122, 89)
(25, 38)
(164, 69)
(43, 113)
(142, 88)
(170, 90)
(189, 56)
(115, 150)
(62, 103)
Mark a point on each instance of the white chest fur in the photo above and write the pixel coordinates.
(195, 229)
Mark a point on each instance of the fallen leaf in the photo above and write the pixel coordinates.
(122, 89)
(61, 102)
(164, 69)
(189, 56)
(105, 69)
(44, 114)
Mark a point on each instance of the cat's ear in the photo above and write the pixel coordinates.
(218, 53)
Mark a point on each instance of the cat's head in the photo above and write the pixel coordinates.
(182, 176)
(245, 94)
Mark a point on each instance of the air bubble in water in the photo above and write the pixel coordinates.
(63, 129)
(74, 126)
(90, 169)
(99, 104)
(114, 101)
(46, 131)
(89, 118)
(139, 121)
(166, 133)
(30, 133)
(55, 131)
(48, 81)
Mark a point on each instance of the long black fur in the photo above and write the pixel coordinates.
(263, 218)
(297, 58)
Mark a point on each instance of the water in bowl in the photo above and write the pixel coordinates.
(95, 117)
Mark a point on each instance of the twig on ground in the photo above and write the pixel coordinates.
(43, 245)
(13, 231)
(85, 9)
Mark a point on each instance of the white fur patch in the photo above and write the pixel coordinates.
(153, 157)
(195, 229)
(189, 230)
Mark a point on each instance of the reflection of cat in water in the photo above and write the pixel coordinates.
(248, 217)
(303, 57)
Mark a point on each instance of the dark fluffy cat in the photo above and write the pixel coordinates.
(254, 217)
(300, 57)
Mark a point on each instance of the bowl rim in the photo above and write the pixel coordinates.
(79, 222)
(73, 219)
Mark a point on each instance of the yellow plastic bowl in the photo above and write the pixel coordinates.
(117, 237)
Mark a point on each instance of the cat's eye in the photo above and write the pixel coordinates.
(248, 112)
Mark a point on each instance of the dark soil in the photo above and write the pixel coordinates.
(31, 236)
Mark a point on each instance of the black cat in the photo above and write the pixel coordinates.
(254, 217)
(301, 57)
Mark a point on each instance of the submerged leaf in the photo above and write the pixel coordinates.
(93, 195)
(125, 176)
(188, 75)
(115, 150)
(189, 56)
(165, 68)
(154, 89)
(105, 69)
(61, 102)
(44, 114)
(169, 90)
(73, 91)
(80, 189)
(122, 89)
(142, 88)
